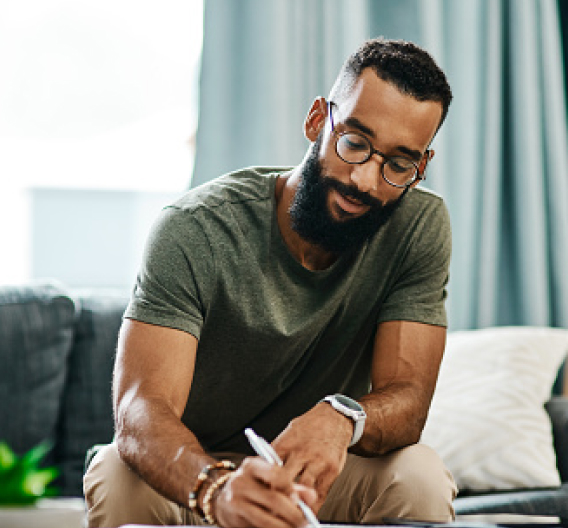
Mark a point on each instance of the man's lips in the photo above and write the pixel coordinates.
(348, 203)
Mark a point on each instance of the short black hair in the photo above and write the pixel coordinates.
(404, 64)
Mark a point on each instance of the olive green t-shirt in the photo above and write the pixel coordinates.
(275, 337)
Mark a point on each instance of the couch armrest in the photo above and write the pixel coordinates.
(557, 408)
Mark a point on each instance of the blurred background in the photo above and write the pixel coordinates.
(111, 109)
(98, 112)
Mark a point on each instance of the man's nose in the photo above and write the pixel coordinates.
(367, 176)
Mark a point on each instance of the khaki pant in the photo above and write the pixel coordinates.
(411, 483)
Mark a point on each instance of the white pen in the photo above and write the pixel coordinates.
(264, 450)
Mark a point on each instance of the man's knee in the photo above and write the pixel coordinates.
(103, 476)
(419, 466)
(115, 495)
(417, 485)
(410, 483)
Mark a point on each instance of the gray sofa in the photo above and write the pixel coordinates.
(57, 350)
(56, 357)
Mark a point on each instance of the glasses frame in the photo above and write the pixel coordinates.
(372, 151)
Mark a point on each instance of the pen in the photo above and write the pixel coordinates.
(264, 450)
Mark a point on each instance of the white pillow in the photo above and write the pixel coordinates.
(487, 419)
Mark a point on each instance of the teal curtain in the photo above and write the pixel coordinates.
(563, 13)
(501, 161)
(503, 164)
(263, 63)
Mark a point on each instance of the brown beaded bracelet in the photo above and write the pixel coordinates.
(201, 478)
(207, 507)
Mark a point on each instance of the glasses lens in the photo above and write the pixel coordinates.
(353, 148)
(400, 171)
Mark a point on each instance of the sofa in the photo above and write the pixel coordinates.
(57, 348)
(551, 501)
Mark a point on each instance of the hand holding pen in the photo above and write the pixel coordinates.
(266, 452)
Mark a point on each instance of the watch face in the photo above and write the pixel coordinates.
(351, 409)
(348, 402)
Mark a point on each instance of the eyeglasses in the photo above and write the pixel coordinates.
(356, 149)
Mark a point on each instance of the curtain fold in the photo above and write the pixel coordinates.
(504, 166)
(263, 63)
(501, 158)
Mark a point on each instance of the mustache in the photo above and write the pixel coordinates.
(352, 192)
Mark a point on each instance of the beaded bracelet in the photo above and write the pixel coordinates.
(207, 508)
(201, 478)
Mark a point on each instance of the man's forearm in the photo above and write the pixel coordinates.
(395, 418)
(158, 447)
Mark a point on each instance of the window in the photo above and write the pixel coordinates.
(98, 101)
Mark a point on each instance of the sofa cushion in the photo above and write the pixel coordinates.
(36, 332)
(534, 502)
(557, 408)
(86, 413)
(487, 420)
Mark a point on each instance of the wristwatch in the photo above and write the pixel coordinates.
(350, 408)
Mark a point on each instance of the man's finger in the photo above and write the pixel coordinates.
(255, 495)
(295, 467)
(319, 477)
(269, 475)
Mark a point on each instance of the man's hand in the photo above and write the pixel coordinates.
(314, 448)
(262, 495)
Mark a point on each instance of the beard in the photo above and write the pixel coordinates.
(312, 219)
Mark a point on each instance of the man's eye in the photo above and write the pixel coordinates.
(401, 165)
(355, 143)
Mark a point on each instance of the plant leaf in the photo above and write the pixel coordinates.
(34, 483)
(7, 457)
(21, 481)
(34, 456)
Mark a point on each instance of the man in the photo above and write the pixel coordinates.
(267, 291)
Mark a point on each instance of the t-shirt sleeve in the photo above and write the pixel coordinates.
(419, 291)
(173, 283)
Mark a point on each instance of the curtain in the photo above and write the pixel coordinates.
(563, 14)
(501, 158)
(263, 63)
(503, 166)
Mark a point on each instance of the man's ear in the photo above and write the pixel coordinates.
(315, 120)
(428, 155)
(422, 167)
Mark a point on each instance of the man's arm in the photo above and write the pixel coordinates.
(405, 367)
(406, 362)
(152, 379)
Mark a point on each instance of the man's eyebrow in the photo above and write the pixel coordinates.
(416, 155)
(355, 123)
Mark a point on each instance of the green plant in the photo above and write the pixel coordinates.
(21, 480)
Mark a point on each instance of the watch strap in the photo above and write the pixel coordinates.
(351, 409)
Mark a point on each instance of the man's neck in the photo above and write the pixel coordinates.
(309, 255)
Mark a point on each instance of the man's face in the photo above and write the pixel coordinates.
(339, 205)
(311, 215)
